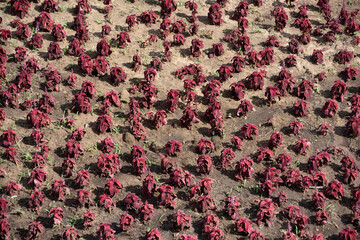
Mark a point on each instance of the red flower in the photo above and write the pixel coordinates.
(107, 145)
(338, 90)
(231, 207)
(10, 154)
(179, 26)
(173, 147)
(347, 163)
(217, 125)
(146, 211)
(275, 140)
(4, 35)
(83, 198)
(295, 127)
(243, 169)
(126, 222)
(82, 178)
(209, 222)
(167, 165)
(3, 56)
(112, 187)
(303, 23)
(83, 7)
(50, 6)
(113, 98)
(187, 237)
(88, 89)
(104, 123)
(74, 48)
(351, 27)
(103, 48)
(241, 10)
(20, 54)
(190, 116)
(302, 146)
(329, 109)
(148, 17)
(267, 188)
(214, 14)
(244, 108)
(132, 202)
(205, 203)
(255, 235)
(347, 234)
(156, 63)
(266, 211)
(238, 63)
(105, 231)
(217, 50)
(179, 39)
(4, 228)
(204, 164)
(317, 56)
(153, 234)
(100, 66)
(335, 190)
(37, 198)
(68, 166)
(36, 41)
(267, 56)
(290, 61)
(350, 73)
(59, 190)
(35, 230)
(109, 164)
(89, 218)
(272, 41)
(73, 149)
(70, 233)
(236, 142)
(280, 18)
(249, 130)
(12, 188)
(243, 226)
(167, 196)
(243, 24)
(237, 90)
(57, 215)
(117, 75)
(300, 108)
(131, 21)
(107, 202)
(344, 57)
(167, 7)
(58, 32)
(305, 89)
(255, 80)
(196, 46)
(43, 22)
(86, 64)
(37, 177)
(226, 157)
(181, 220)
(322, 217)
(179, 178)
(318, 199)
(353, 127)
(19, 7)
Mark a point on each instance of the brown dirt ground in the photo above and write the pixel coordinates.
(263, 23)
